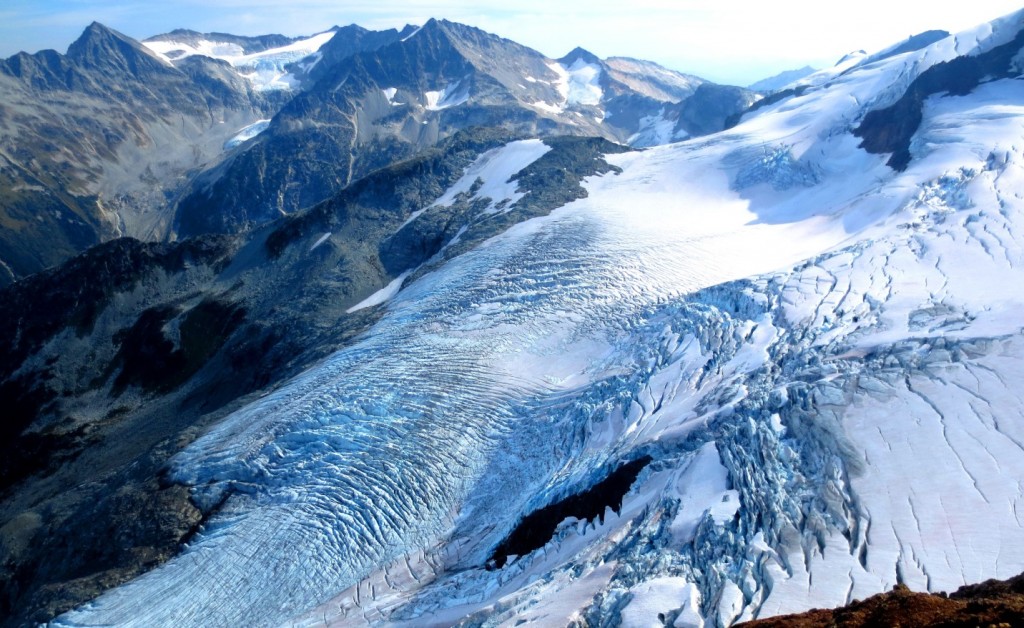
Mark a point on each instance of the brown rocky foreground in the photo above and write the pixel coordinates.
(992, 603)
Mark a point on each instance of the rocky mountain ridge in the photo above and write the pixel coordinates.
(119, 137)
(387, 103)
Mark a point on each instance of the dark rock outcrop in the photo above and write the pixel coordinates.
(891, 129)
(536, 529)
(710, 107)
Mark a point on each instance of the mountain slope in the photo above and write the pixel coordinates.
(174, 137)
(793, 371)
(94, 143)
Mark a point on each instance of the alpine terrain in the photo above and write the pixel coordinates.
(424, 328)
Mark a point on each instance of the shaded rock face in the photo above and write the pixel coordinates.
(710, 106)
(94, 143)
(111, 536)
(991, 603)
(890, 130)
(69, 301)
(351, 40)
(113, 361)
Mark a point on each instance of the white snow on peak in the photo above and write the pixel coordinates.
(578, 83)
(496, 169)
(453, 94)
(265, 69)
(655, 130)
(584, 86)
(247, 133)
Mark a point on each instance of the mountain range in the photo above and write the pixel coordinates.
(420, 327)
(190, 133)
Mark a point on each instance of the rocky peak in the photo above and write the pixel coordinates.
(104, 49)
(577, 54)
(351, 40)
(44, 69)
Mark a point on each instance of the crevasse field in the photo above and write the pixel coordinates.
(821, 356)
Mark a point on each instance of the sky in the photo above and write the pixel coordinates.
(721, 40)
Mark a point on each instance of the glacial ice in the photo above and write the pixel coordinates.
(655, 130)
(577, 84)
(827, 377)
(453, 94)
(265, 69)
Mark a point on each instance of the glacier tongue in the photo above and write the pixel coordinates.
(821, 357)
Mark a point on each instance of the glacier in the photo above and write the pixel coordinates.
(267, 70)
(820, 355)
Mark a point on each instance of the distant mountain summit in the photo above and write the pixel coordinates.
(107, 51)
(95, 143)
(782, 79)
(578, 54)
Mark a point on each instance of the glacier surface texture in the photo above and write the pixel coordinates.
(822, 356)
